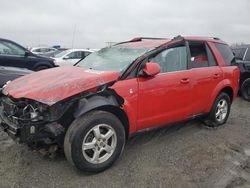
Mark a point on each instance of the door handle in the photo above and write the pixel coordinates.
(185, 81)
(216, 76)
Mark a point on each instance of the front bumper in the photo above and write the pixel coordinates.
(31, 132)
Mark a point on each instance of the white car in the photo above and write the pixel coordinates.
(42, 50)
(71, 56)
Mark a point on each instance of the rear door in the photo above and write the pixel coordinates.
(166, 97)
(206, 73)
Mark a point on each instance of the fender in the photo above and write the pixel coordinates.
(87, 104)
(223, 84)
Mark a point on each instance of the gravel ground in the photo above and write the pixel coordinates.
(182, 155)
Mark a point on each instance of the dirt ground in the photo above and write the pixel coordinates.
(183, 155)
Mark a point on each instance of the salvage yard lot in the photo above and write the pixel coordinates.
(182, 155)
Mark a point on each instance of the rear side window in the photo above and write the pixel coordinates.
(226, 53)
(198, 53)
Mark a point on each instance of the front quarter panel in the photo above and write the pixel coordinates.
(128, 90)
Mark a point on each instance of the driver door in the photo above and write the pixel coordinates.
(167, 97)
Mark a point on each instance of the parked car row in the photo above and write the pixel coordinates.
(15, 59)
(90, 109)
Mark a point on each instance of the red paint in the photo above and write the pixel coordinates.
(148, 102)
(201, 59)
(53, 85)
(152, 69)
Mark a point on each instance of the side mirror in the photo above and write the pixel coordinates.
(151, 69)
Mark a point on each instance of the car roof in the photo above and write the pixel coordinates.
(204, 39)
(73, 50)
(146, 42)
(42, 47)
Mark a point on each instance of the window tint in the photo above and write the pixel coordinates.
(247, 58)
(7, 48)
(172, 59)
(199, 57)
(226, 53)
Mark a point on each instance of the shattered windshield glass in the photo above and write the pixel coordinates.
(112, 58)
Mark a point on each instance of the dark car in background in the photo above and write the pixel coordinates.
(15, 55)
(11, 73)
(242, 56)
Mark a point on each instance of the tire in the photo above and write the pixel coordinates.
(245, 90)
(42, 67)
(220, 111)
(83, 132)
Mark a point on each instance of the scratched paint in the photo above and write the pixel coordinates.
(53, 85)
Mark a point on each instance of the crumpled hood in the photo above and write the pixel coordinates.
(53, 85)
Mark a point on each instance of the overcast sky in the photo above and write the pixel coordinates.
(49, 22)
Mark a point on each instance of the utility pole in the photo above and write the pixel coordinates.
(73, 37)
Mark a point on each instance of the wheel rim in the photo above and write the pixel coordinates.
(221, 110)
(248, 91)
(99, 144)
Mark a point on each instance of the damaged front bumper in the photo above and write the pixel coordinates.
(29, 131)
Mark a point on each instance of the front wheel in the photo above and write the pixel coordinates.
(42, 67)
(245, 90)
(94, 141)
(220, 111)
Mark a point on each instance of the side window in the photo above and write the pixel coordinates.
(226, 53)
(247, 58)
(172, 59)
(199, 56)
(7, 48)
(75, 55)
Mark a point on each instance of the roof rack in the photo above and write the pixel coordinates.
(140, 38)
(216, 38)
(137, 39)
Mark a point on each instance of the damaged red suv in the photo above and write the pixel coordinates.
(90, 110)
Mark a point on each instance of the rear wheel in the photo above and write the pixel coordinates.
(220, 111)
(245, 90)
(94, 141)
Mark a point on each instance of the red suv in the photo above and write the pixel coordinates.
(90, 110)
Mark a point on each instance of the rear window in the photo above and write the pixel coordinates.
(226, 53)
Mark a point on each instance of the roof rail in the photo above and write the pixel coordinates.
(177, 37)
(137, 39)
(140, 38)
(216, 38)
